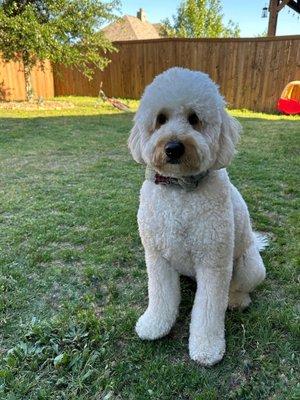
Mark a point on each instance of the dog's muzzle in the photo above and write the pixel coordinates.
(174, 150)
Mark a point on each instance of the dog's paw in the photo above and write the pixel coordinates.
(151, 326)
(206, 352)
(238, 300)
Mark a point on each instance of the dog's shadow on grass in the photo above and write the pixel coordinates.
(188, 290)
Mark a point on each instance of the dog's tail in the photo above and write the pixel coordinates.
(261, 240)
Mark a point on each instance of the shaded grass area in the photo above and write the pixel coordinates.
(73, 279)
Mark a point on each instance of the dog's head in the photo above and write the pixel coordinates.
(181, 127)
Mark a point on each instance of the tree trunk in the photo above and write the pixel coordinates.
(28, 83)
(273, 17)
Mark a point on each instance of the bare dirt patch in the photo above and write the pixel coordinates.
(36, 105)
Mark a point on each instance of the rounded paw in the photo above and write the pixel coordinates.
(207, 353)
(238, 300)
(151, 327)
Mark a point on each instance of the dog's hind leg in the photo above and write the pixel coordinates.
(248, 272)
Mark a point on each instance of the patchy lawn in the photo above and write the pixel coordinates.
(73, 279)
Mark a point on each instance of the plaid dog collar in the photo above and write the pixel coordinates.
(188, 183)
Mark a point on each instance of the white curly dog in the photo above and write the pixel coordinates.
(192, 220)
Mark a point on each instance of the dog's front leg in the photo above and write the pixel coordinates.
(207, 333)
(164, 298)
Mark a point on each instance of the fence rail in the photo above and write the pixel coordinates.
(251, 72)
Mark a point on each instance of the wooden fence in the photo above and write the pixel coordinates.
(251, 72)
(12, 83)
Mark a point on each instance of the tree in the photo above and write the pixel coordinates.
(62, 31)
(262, 34)
(199, 18)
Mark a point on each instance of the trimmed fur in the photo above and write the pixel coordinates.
(206, 233)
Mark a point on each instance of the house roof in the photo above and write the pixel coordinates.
(130, 28)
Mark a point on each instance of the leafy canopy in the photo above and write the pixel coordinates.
(62, 31)
(199, 18)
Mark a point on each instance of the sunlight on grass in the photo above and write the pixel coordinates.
(95, 106)
(82, 106)
(270, 117)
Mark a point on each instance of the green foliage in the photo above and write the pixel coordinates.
(62, 31)
(199, 18)
(68, 350)
(262, 34)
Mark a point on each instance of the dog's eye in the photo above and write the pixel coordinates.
(161, 119)
(193, 119)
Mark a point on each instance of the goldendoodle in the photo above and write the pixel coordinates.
(192, 220)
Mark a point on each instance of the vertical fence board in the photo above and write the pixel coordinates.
(12, 83)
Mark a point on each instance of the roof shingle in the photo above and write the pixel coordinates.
(130, 28)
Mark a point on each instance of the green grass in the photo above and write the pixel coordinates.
(73, 280)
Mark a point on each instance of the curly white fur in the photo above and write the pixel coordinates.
(205, 233)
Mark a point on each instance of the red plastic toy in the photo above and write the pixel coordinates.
(289, 102)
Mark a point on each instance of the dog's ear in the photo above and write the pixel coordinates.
(229, 136)
(134, 144)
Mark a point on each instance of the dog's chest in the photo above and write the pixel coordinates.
(174, 222)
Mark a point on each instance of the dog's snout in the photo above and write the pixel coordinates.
(174, 150)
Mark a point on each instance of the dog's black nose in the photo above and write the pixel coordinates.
(174, 150)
